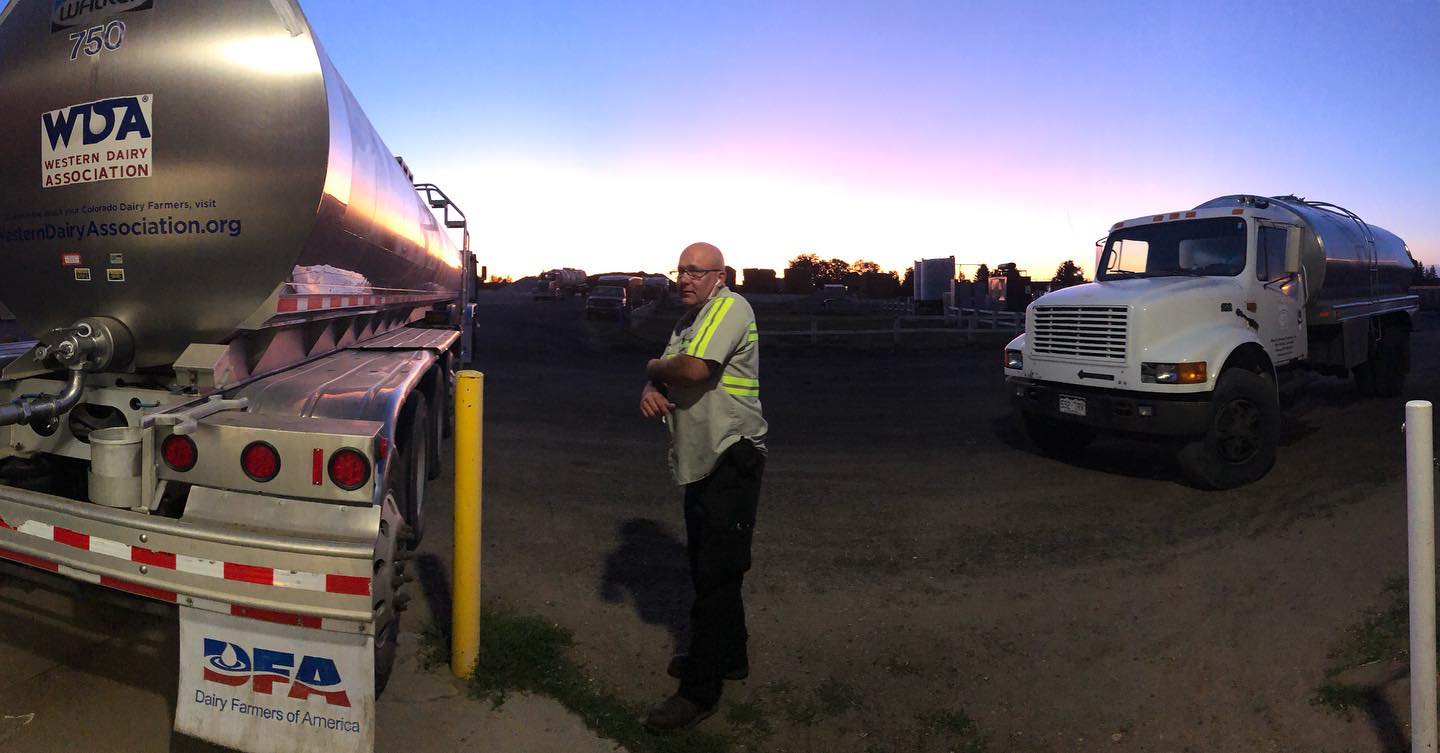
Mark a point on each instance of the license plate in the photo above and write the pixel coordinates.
(1075, 406)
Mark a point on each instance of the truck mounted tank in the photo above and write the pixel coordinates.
(931, 281)
(559, 283)
(1196, 317)
(248, 321)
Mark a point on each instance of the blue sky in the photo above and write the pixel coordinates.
(609, 135)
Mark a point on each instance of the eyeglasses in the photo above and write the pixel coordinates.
(695, 274)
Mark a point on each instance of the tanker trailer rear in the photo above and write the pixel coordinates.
(248, 321)
(1194, 320)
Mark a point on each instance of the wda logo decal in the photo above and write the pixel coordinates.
(68, 14)
(109, 139)
(228, 664)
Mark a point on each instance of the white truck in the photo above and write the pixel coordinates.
(1194, 319)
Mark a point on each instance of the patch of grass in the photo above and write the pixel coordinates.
(529, 654)
(434, 645)
(748, 714)
(1381, 634)
(1343, 698)
(960, 733)
(793, 704)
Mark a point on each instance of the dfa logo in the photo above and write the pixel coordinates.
(109, 139)
(228, 664)
(68, 14)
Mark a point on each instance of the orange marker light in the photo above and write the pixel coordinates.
(1190, 373)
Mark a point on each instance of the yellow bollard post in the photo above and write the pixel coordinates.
(469, 441)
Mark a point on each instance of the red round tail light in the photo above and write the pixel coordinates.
(260, 461)
(349, 469)
(179, 452)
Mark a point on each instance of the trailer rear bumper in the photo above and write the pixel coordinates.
(1116, 411)
(197, 561)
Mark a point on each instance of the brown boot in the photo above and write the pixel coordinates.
(676, 713)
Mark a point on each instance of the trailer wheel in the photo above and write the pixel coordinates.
(387, 580)
(1241, 433)
(1057, 438)
(416, 465)
(1391, 361)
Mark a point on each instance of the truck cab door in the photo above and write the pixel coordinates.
(1278, 301)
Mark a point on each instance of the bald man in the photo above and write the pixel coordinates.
(706, 388)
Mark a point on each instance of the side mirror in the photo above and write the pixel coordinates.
(1292, 250)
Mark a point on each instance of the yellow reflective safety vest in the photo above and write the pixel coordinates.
(710, 417)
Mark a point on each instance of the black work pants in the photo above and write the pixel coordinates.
(719, 524)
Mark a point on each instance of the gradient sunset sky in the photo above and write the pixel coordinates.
(607, 136)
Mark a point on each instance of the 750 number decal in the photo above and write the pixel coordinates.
(97, 39)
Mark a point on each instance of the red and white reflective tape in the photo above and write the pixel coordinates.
(147, 556)
(289, 303)
(350, 585)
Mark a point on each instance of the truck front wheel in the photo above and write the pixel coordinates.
(1241, 431)
(1057, 438)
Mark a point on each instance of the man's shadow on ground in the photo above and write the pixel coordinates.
(653, 568)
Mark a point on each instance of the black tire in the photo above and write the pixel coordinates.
(1391, 361)
(415, 452)
(1242, 431)
(391, 557)
(1057, 438)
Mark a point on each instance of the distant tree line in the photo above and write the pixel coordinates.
(1424, 275)
(819, 272)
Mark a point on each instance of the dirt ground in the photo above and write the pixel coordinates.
(920, 566)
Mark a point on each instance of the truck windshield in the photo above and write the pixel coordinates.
(1210, 247)
(608, 292)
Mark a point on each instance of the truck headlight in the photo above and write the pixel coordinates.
(1173, 373)
(1014, 359)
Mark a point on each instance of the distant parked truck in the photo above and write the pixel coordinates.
(657, 288)
(1194, 319)
(931, 279)
(613, 296)
(1009, 288)
(560, 283)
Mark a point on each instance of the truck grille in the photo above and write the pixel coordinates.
(1087, 331)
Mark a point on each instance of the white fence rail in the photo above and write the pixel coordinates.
(967, 323)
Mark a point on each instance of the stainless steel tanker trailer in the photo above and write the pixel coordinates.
(248, 319)
(1195, 319)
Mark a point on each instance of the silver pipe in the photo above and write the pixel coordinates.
(45, 407)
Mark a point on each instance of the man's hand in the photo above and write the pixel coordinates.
(653, 404)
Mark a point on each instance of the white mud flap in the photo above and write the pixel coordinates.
(262, 687)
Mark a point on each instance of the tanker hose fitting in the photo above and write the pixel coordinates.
(91, 344)
(94, 343)
(45, 408)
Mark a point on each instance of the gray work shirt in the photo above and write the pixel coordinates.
(711, 416)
